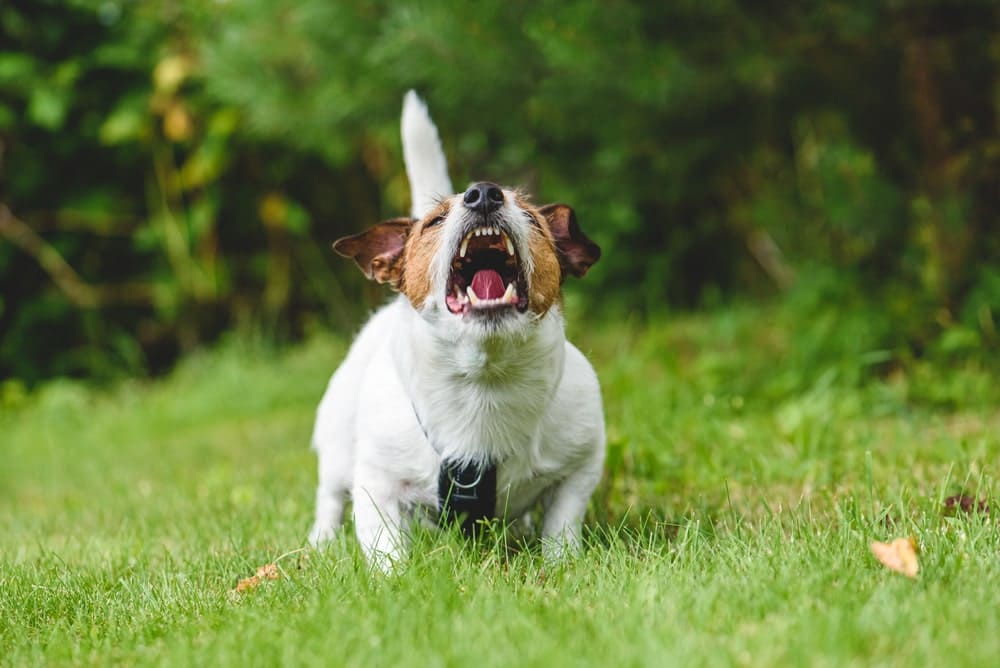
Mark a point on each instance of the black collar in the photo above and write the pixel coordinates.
(466, 492)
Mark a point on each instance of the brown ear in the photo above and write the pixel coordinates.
(378, 250)
(576, 252)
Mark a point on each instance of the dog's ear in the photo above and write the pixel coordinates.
(577, 253)
(378, 250)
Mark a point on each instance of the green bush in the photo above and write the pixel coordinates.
(191, 161)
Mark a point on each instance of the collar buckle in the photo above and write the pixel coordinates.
(467, 493)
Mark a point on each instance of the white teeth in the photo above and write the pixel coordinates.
(485, 232)
(509, 297)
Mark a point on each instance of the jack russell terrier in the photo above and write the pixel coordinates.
(462, 395)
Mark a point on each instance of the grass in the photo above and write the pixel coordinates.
(752, 459)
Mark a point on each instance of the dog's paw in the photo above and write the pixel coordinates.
(386, 565)
(556, 549)
(321, 534)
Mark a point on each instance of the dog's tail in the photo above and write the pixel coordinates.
(426, 165)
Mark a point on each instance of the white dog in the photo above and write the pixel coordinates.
(463, 395)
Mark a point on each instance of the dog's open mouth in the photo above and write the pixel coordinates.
(486, 274)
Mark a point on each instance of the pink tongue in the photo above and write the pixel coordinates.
(487, 284)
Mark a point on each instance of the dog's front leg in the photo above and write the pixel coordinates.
(378, 523)
(564, 514)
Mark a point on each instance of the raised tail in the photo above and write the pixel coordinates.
(426, 166)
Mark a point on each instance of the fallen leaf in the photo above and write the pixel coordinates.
(900, 555)
(967, 504)
(265, 572)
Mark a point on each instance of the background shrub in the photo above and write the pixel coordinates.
(175, 170)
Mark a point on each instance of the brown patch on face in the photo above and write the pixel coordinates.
(546, 276)
(421, 247)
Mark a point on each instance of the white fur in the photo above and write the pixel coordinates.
(515, 392)
(426, 166)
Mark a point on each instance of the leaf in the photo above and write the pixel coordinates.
(265, 572)
(178, 125)
(900, 555)
(273, 210)
(171, 72)
(16, 70)
(126, 123)
(48, 106)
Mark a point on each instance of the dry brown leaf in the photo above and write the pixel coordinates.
(265, 572)
(900, 555)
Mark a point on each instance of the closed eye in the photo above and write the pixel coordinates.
(435, 221)
(531, 219)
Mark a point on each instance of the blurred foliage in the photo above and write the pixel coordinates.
(175, 169)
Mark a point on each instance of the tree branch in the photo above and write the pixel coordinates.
(767, 253)
(79, 291)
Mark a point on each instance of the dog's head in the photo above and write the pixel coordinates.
(483, 259)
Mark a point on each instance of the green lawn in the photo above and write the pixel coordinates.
(752, 460)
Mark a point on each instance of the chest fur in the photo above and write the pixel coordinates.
(483, 400)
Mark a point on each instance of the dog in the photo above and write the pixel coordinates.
(462, 396)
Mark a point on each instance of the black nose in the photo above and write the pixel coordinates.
(483, 197)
